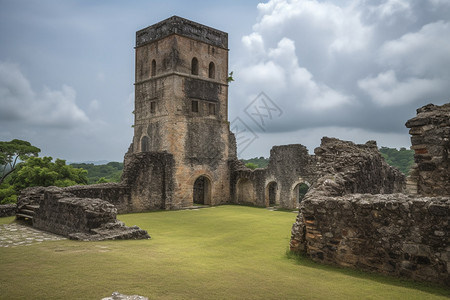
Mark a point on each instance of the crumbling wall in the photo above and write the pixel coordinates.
(289, 165)
(393, 234)
(150, 178)
(117, 194)
(359, 169)
(430, 139)
(355, 216)
(58, 211)
(7, 210)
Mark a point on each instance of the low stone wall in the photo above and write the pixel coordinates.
(115, 193)
(392, 234)
(59, 211)
(7, 210)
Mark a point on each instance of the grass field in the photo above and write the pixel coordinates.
(226, 252)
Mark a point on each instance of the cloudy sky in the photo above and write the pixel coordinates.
(352, 69)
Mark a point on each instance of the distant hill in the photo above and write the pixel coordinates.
(402, 159)
(109, 172)
(91, 162)
(260, 162)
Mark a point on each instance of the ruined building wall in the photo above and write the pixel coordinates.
(360, 168)
(354, 215)
(149, 176)
(56, 210)
(430, 139)
(393, 234)
(289, 166)
(115, 193)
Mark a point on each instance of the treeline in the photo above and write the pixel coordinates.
(110, 172)
(256, 162)
(402, 159)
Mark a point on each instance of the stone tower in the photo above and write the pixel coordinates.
(181, 108)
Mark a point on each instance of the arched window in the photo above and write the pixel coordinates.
(153, 68)
(194, 66)
(212, 70)
(144, 144)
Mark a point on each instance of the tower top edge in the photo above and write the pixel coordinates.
(183, 27)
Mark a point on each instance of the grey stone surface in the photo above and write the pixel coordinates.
(119, 296)
(181, 26)
(58, 211)
(7, 210)
(15, 235)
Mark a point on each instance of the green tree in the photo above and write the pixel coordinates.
(111, 172)
(38, 171)
(402, 159)
(7, 194)
(102, 180)
(13, 152)
(251, 166)
(260, 162)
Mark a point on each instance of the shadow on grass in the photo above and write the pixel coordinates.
(305, 261)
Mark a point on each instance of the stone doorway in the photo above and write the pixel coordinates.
(299, 192)
(202, 191)
(271, 194)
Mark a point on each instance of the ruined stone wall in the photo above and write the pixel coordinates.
(246, 185)
(59, 211)
(289, 166)
(7, 210)
(354, 216)
(62, 213)
(149, 177)
(391, 234)
(355, 169)
(430, 139)
(115, 193)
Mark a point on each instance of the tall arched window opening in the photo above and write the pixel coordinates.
(144, 144)
(153, 68)
(212, 70)
(194, 66)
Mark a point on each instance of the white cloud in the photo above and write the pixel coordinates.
(323, 25)
(425, 52)
(392, 7)
(51, 108)
(387, 90)
(94, 106)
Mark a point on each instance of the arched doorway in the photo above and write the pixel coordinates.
(299, 192)
(202, 191)
(271, 194)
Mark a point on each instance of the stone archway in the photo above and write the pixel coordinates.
(202, 191)
(299, 192)
(271, 194)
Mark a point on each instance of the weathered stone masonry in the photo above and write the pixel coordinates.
(354, 216)
(56, 210)
(430, 139)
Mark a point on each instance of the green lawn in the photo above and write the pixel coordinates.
(226, 252)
